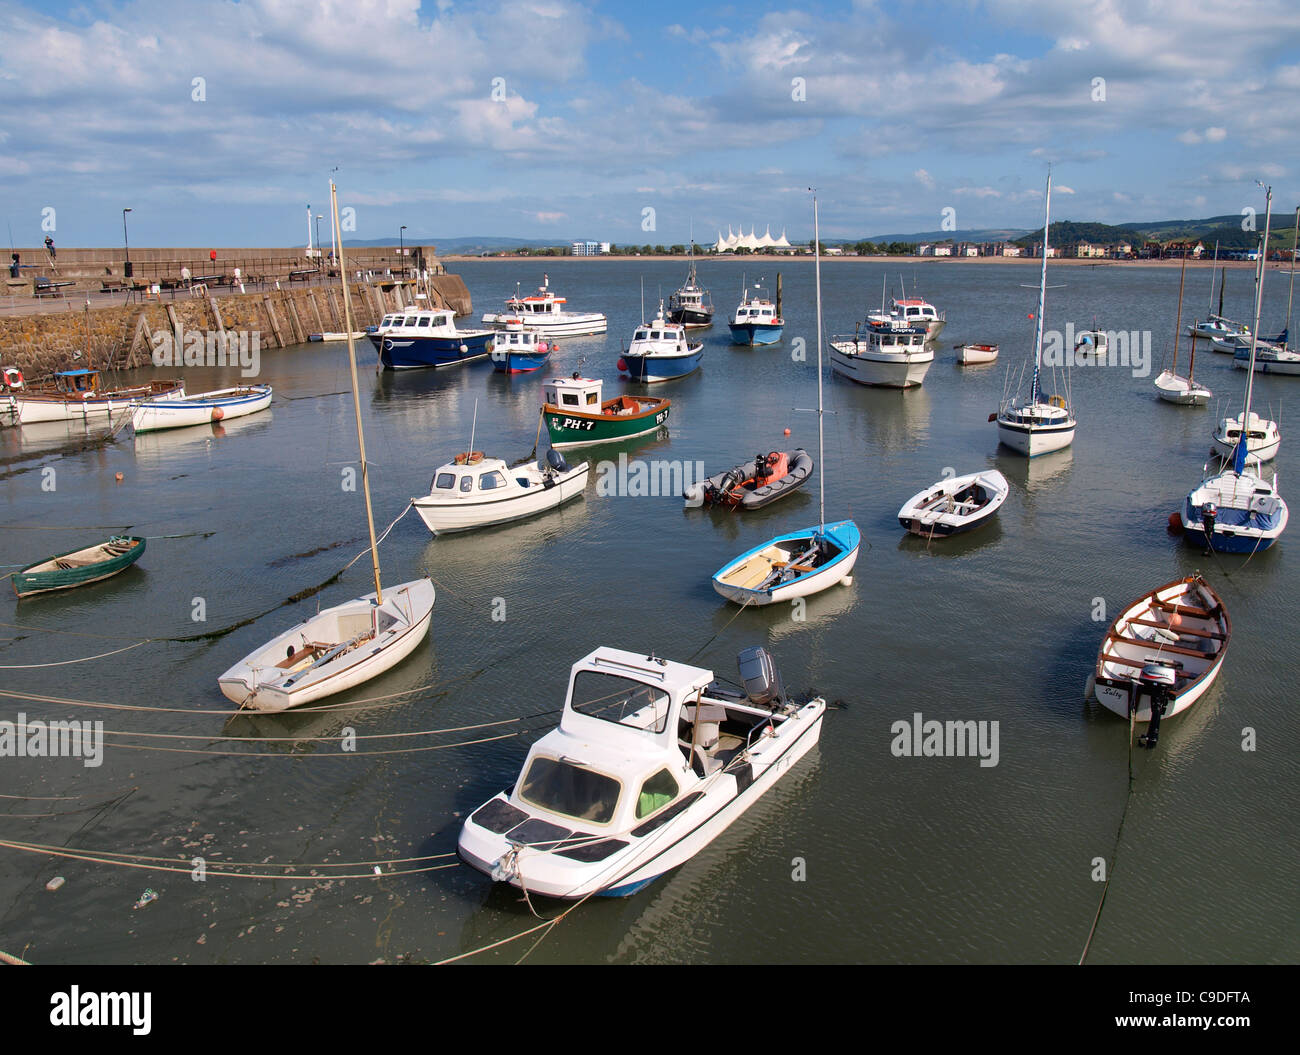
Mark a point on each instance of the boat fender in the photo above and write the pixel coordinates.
(622, 365)
(218, 413)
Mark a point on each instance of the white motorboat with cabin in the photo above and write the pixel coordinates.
(911, 311)
(421, 338)
(1037, 425)
(757, 320)
(472, 491)
(885, 354)
(1263, 439)
(652, 761)
(546, 312)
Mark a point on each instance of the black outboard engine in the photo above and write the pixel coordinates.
(556, 461)
(1158, 679)
(760, 467)
(730, 479)
(759, 676)
(1209, 514)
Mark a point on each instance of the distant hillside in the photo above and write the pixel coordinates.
(469, 246)
(1069, 232)
(990, 234)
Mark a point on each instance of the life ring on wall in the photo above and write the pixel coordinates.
(13, 377)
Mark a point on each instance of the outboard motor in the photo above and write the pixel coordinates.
(556, 461)
(760, 467)
(759, 675)
(1209, 514)
(729, 481)
(1159, 680)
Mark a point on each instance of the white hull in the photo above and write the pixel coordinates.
(1175, 389)
(564, 325)
(668, 846)
(328, 338)
(202, 409)
(1264, 447)
(972, 355)
(259, 683)
(804, 586)
(1289, 365)
(1197, 644)
(30, 411)
(447, 515)
(905, 370)
(1032, 441)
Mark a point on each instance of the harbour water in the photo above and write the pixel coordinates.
(859, 855)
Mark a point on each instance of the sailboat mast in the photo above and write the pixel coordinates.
(1214, 266)
(1178, 323)
(1295, 234)
(1239, 456)
(1042, 294)
(821, 445)
(356, 391)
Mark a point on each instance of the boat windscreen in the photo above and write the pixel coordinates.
(621, 700)
(570, 790)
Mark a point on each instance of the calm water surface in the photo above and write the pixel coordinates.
(905, 860)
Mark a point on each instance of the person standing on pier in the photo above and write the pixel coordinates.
(15, 267)
(49, 246)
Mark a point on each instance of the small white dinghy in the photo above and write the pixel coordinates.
(204, 408)
(1162, 653)
(974, 354)
(954, 505)
(651, 762)
(335, 650)
(472, 491)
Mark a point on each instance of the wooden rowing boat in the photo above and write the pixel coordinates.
(79, 567)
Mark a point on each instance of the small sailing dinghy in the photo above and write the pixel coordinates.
(350, 643)
(1170, 385)
(954, 505)
(651, 762)
(203, 408)
(1162, 653)
(472, 491)
(805, 562)
(753, 485)
(78, 567)
(974, 354)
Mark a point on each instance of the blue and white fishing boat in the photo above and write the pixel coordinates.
(1236, 510)
(422, 337)
(659, 352)
(801, 562)
(757, 320)
(520, 349)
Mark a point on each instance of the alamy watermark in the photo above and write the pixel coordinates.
(656, 478)
(242, 348)
(1126, 348)
(950, 739)
(38, 739)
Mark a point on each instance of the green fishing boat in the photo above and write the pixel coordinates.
(79, 567)
(576, 417)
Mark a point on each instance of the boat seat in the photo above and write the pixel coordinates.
(1162, 647)
(1180, 630)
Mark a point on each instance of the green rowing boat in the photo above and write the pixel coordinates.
(79, 567)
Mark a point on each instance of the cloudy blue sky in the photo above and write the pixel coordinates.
(564, 119)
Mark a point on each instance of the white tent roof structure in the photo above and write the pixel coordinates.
(734, 240)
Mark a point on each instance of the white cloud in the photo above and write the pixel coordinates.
(1216, 135)
(924, 178)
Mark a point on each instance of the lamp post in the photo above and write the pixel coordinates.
(401, 239)
(126, 244)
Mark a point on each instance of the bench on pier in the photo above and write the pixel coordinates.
(43, 287)
(113, 285)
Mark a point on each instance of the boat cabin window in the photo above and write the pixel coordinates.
(656, 793)
(613, 698)
(592, 399)
(466, 482)
(445, 481)
(490, 481)
(570, 399)
(424, 321)
(655, 335)
(570, 790)
(642, 335)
